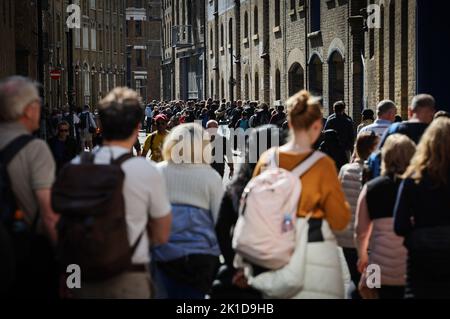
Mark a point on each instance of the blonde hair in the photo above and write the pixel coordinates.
(433, 154)
(188, 144)
(303, 110)
(396, 154)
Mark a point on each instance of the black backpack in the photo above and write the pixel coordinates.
(8, 207)
(83, 118)
(92, 231)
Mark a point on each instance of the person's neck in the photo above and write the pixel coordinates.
(384, 119)
(128, 144)
(301, 143)
(62, 139)
(26, 124)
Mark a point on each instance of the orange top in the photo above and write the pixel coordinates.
(322, 193)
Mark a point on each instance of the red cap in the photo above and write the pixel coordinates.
(162, 117)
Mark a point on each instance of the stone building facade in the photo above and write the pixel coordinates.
(267, 50)
(98, 50)
(184, 65)
(144, 47)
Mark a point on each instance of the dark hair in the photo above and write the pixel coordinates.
(368, 114)
(236, 188)
(120, 114)
(366, 144)
(339, 107)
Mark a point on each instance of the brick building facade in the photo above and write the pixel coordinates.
(183, 66)
(144, 47)
(19, 39)
(267, 50)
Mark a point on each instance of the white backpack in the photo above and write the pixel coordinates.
(264, 234)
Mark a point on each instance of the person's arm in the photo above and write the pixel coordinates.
(225, 223)
(48, 216)
(160, 220)
(43, 169)
(216, 194)
(402, 211)
(336, 208)
(91, 118)
(363, 230)
(160, 229)
(146, 147)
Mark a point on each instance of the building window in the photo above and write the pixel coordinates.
(316, 76)
(255, 20)
(296, 79)
(85, 38)
(222, 36)
(277, 13)
(138, 3)
(77, 38)
(315, 15)
(92, 4)
(292, 6)
(336, 79)
(93, 39)
(139, 58)
(246, 87)
(256, 86)
(277, 85)
(246, 25)
(230, 32)
(211, 39)
(138, 28)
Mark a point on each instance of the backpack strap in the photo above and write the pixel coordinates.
(122, 159)
(308, 163)
(11, 150)
(273, 158)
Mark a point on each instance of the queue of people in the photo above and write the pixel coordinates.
(159, 227)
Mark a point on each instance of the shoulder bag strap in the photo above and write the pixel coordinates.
(308, 163)
(14, 147)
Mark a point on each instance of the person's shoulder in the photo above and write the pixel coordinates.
(38, 147)
(326, 163)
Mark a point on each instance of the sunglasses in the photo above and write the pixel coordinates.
(160, 123)
(64, 130)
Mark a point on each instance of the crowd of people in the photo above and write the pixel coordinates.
(156, 221)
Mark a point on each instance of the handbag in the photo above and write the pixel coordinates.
(287, 281)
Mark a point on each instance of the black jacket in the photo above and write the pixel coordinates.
(343, 125)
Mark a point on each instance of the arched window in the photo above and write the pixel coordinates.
(277, 85)
(255, 20)
(296, 79)
(316, 76)
(336, 79)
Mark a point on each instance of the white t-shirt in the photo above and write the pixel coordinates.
(144, 193)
